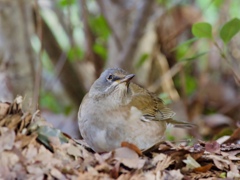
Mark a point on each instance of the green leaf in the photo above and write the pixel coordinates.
(66, 2)
(230, 29)
(75, 53)
(165, 97)
(223, 175)
(141, 60)
(100, 50)
(99, 26)
(202, 30)
(185, 43)
(194, 57)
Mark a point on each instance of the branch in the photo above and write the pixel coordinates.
(114, 34)
(68, 77)
(90, 40)
(126, 58)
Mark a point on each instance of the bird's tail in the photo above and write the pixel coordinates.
(180, 124)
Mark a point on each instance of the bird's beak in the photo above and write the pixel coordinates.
(127, 78)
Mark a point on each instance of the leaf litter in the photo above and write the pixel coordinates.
(30, 148)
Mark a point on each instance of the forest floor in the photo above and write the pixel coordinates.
(30, 148)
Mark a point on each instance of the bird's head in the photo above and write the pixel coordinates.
(113, 83)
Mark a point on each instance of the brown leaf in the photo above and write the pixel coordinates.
(173, 174)
(7, 139)
(203, 169)
(132, 146)
(128, 157)
(234, 137)
(219, 161)
(234, 172)
(3, 109)
(163, 161)
(57, 174)
(115, 170)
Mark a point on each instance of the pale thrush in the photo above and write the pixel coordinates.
(116, 110)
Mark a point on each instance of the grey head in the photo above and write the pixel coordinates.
(112, 80)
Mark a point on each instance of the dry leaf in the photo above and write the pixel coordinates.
(212, 147)
(128, 157)
(7, 139)
(191, 163)
(132, 146)
(173, 174)
(234, 137)
(3, 109)
(203, 169)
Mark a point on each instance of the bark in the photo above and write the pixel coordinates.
(17, 54)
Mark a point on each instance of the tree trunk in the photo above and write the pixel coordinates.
(17, 54)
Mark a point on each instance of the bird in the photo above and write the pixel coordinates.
(116, 110)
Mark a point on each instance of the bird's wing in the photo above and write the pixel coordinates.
(149, 104)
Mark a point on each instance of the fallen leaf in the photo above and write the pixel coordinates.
(128, 157)
(7, 139)
(203, 169)
(56, 173)
(191, 163)
(219, 161)
(234, 172)
(3, 109)
(234, 137)
(173, 174)
(212, 147)
(132, 146)
(164, 163)
(46, 132)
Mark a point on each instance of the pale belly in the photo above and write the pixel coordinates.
(106, 134)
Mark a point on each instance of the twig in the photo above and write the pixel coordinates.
(223, 55)
(172, 72)
(38, 72)
(90, 39)
(58, 68)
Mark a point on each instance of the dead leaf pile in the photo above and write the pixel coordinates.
(30, 148)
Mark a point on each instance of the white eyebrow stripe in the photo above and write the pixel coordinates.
(113, 84)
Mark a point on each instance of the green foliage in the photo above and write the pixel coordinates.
(99, 26)
(185, 44)
(165, 98)
(141, 60)
(169, 136)
(75, 53)
(224, 132)
(202, 30)
(49, 101)
(191, 84)
(100, 50)
(101, 30)
(227, 32)
(230, 29)
(194, 57)
(64, 3)
(223, 175)
(218, 3)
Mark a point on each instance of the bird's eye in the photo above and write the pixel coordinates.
(110, 77)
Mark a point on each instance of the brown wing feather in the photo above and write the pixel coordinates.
(152, 107)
